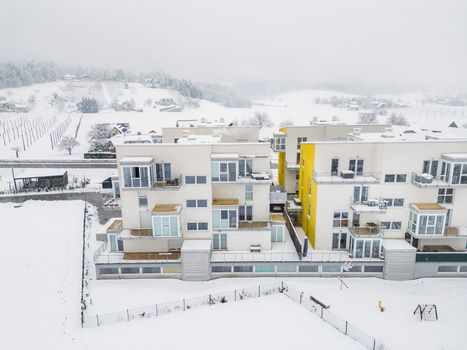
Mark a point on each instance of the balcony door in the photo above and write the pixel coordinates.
(360, 194)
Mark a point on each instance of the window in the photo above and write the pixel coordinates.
(366, 248)
(426, 224)
(242, 268)
(249, 192)
(447, 268)
(360, 194)
(334, 166)
(398, 202)
(389, 202)
(245, 167)
(459, 174)
(356, 165)
(277, 233)
(136, 176)
(391, 225)
(129, 270)
(401, 178)
(395, 178)
(279, 143)
(339, 240)
(430, 167)
(163, 171)
(223, 171)
(245, 213)
(196, 203)
(221, 268)
(108, 270)
(219, 241)
(151, 269)
(300, 140)
(298, 158)
(166, 225)
(143, 201)
(445, 195)
(371, 268)
(340, 219)
(197, 226)
(190, 180)
(224, 218)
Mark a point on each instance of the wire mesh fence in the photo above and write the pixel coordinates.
(183, 305)
(340, 324)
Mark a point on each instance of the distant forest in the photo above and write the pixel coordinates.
(17, 74)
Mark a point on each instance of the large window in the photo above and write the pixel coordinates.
(224, 218)
(219, 241)
(445, 195)
(163, 171)
(334, 166)
(300, 140)
(136, 176)
(356, 165)
(339, 240)
(395, 178)
(249, 192)
(196, 203)
(224, 171)
(197, 226)
(365, 248)
(191, 180)
(245, 167)
(245, 213)
(430, 167)
(340, 219)
(459, 174)
(277, 233)
(166, 225)
(360, 194)
(426, 224)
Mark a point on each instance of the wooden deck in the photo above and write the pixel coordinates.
(141, 232)
(152, 256)
(225, 201)
(252, 224)
(438, 248)
(366, 231)
(277, 217)
(451, 231)
(165, 208)
(115, 226)
(428, 206)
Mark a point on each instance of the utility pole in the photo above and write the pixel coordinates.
(14, 180)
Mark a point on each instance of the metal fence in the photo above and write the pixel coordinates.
(183, 305)
(340, 324)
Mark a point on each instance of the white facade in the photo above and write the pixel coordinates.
(175, 192)
(385, 188)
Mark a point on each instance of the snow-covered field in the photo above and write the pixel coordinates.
(40, 301)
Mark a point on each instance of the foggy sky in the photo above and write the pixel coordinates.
(369, 41)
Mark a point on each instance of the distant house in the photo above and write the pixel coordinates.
(453, 125)
(166, 101)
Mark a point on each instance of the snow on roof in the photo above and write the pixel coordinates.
(199, 139)
(224, 156)
(196, 245)
(397, 244)
(137, 160)
(455, 156)
(31, 173)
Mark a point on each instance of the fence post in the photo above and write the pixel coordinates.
(321, 312)
(97, 316)
(346, 323)
(157, 311)
(282, 285)
(127, 315)
(235, 293)
(374, 343)
(301, 297)
(259, 291)
(184, 305)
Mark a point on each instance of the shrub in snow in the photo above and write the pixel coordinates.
(68, 143)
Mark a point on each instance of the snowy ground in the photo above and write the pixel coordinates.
(40, 301)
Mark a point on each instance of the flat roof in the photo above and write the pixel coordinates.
(225, 201)
(428, 206)
(166, 208)
(45, 172)
(455, 156)
(397, 244)
(137, 160)
(224, 156)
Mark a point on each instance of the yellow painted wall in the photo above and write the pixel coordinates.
(307, 159)
(281, 165)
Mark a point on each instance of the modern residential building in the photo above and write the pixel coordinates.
(358, 193)
(171, 193)
(287, 143)
(224, 134)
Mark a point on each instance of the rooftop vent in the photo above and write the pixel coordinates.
(388, 132)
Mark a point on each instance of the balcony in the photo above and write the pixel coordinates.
(371, 205)
(254, 225)
(427, 180)
(345, 177)
(369, 230)
(293, 165)
(277, 195)
(441, 257)
(255, 178)
(168, 185)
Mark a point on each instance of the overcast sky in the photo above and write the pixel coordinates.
(371, 41)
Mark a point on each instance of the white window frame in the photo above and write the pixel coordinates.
(444, 195)
(164, 225)
(220, 246)
(133, 179)
(248, 192)
(223, 221)
(217, 164)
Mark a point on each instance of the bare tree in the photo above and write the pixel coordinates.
(397, 119)
(99, 131)
(369, 118)
(17, 149)
(68, 143)
(260, 119)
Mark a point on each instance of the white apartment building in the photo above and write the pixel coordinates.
(373, 187)
(287, 143)
(171, 193)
